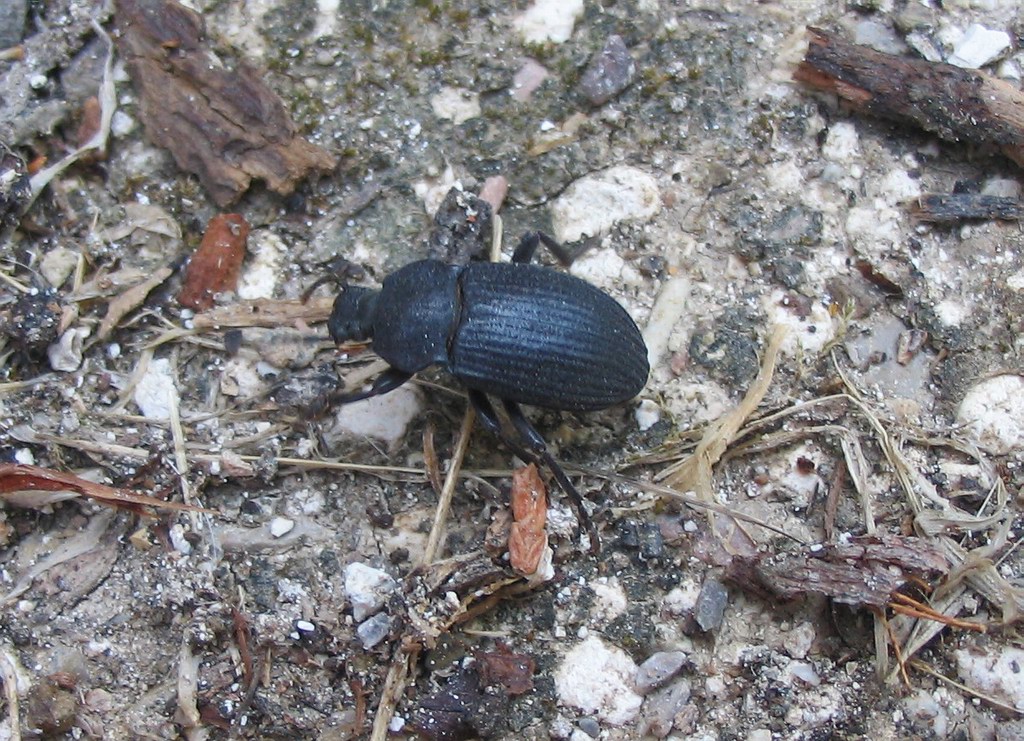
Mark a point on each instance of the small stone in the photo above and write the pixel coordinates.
(549, 20)
(280, 526)
(590, 726)
(658, 669)
(383, 417)
(527, 79)
(842, 143)
(663, 706)
(710, 608)
(647, 414)
(596, 677)
(367, 589)
(57, 265)
(978, 47)
(66, 354)
(610, 72)
(155, 391)
(993, 413)
(595, 203)
(374, 630)
(996, 672)
(455, 104)
(878, 36)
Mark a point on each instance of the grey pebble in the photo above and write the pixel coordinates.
(658, 669)
(610, 72)
(374, 630)
(590, 726)
(711, 602)
(662, 707)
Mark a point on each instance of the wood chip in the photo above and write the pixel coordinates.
(216, 265)
(224, 125)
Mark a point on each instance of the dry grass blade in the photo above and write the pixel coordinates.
(695, 473)
(98, 142)
(16, 684)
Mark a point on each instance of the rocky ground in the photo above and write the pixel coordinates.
(808, 518)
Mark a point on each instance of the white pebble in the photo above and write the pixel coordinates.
(995, 672)
(595, 203)
(367, 589)
(648, 413)
(156, 391)
(597, 678)
(384, 418)
(993, 413)
(455, 104)
(281, 526)
(549, 20)
(978, 47)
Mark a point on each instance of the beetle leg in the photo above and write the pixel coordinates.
(536, 443)
(528, 245)
(489, 419)
(387, 381)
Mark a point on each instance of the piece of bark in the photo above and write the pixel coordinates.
(942, 208)
(216, 265)
(956, 104)
(224, 125)
(863, 571)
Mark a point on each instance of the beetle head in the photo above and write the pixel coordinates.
(353, 315)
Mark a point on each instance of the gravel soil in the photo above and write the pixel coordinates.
(808, 518)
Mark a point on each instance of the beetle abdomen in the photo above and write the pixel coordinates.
(535, 336)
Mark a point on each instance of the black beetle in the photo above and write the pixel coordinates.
(522, 333)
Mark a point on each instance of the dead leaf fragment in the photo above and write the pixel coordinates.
(527, 538)
(224, 125)
(216, 265)
(130, 300)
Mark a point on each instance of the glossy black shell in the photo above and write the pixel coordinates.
(522, 333)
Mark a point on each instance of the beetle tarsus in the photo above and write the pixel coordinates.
(536, 443)
(528, 245)
(387, 381)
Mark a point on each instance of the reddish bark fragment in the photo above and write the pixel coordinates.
(865, 570)
(527, 538)
(16, 477)
(216, 265)
(504, 668)
(225, 125)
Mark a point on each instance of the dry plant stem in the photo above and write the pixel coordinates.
(931, 522)
(909, 606)
(448, 490)
(695, 473)
(922, 667)
(9, 671)
(880, 619)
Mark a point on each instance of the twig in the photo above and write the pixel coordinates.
(448, 490)
(921, 666)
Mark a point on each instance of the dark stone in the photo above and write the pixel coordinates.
(610, 72)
